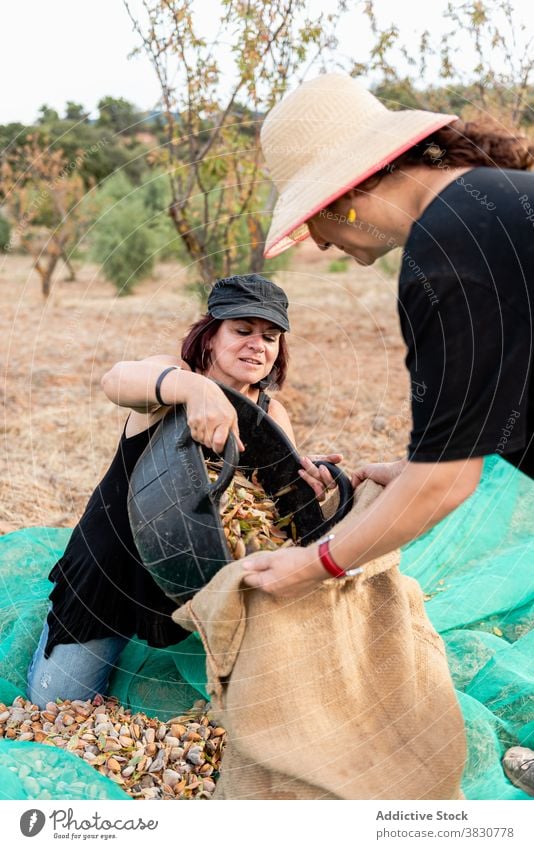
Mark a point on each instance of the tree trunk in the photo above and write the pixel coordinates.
(257, 244)
(207, 270)
(46, 280)
(72, 271)
(257, 260)
(194, 247)
(46, 272)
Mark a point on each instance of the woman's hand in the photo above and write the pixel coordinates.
(210, 415)
(288, 572)
(318, 477)
(382, 473)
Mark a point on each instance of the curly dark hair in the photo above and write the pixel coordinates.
(196, 354)
(460, 144)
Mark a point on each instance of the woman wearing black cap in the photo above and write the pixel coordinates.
(239, 342)
(102, 595)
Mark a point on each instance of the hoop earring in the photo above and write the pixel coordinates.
(351, 215)
(203, 363)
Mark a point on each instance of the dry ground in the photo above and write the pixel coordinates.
(347, 387)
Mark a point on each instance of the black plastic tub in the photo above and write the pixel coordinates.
(174, 509)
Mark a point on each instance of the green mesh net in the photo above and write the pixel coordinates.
(33, 771)
(476, 568)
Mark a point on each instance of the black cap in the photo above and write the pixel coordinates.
(249, 296)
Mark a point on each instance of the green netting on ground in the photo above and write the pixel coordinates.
(145, 679)
(477, 567)
(33, 771)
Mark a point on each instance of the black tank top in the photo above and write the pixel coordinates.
(101, 587)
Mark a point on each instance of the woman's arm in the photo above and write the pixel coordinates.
(132, 383)
(210, 415)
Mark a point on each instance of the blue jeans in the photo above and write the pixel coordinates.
(73, 671)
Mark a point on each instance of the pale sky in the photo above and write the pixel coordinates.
(62, 50)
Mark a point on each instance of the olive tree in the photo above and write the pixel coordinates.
(213, 100)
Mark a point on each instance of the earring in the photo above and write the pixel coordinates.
(351, 215)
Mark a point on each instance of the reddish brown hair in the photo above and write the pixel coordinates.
(461, 144)
(196, 354)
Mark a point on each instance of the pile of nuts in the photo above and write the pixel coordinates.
(249, 517)
(149, 759)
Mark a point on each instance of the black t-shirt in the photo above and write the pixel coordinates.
(466, 304)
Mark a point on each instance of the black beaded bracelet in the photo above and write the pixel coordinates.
(159, 381)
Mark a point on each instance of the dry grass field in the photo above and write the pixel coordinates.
(347, 387)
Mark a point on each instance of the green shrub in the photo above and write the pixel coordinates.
(114, 189)
(119, 197)
(124, 244)
(5, 234)
(155, 193)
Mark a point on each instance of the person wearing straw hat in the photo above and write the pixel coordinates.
(456, 198)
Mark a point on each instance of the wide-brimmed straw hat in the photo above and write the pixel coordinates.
(322, 140)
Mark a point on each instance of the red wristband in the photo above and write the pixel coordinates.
(327, 560)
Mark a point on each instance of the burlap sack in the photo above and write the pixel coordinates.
(343, 694)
